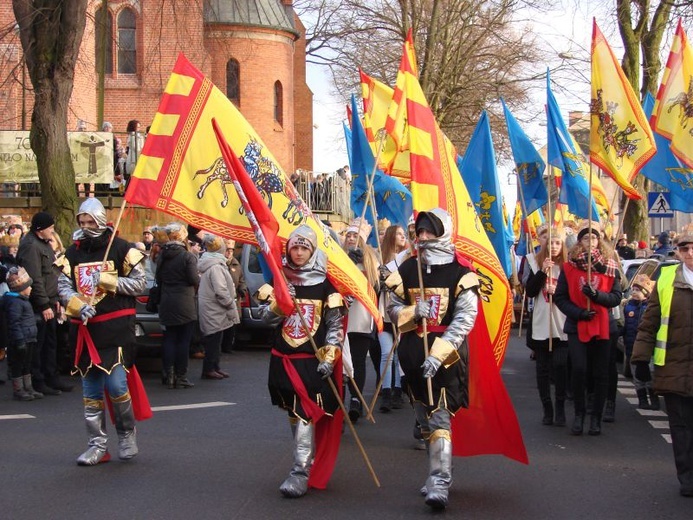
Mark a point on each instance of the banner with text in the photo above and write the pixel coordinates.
(91, 153)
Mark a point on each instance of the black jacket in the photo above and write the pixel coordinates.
(176, 273)
(37, 257)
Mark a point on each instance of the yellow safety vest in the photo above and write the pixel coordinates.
(665, 291)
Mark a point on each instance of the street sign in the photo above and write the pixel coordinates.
(659, 205)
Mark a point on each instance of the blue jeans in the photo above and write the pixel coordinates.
(96, 380)
(176, 347)
(386, 343)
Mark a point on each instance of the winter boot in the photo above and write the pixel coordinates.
(296, 484)
(170, 379)
(386, 400)
(578, 423)
(397, 401)
(548, 413)
(595, 424)
(589, 406)
(19, 392)
(354, 409)
(125, 426)
(559, 417)
(609, 411)
(654, 399)
(643, 403)
(95, 419)
(440, 469)
(30, 388)
(182, 381)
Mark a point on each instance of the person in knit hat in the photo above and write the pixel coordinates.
(361, 330)
(21, 333)
(298, 375)
(36, 255)
(216, 298)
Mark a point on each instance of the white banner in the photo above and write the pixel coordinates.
(91, 152)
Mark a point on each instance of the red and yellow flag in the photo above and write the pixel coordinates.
(181, 172)
(376, 100)
(621, 141)
(672, 115)
(489, 425)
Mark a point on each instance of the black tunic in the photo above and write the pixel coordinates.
(440, 283)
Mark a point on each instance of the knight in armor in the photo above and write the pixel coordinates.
(449, 305)
(297, 375)
(99, 297)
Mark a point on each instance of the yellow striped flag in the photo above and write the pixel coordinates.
(672, 115)
(376, 100)
(621, 141)
(181, 172)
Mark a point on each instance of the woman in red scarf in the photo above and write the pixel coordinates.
(585, 299)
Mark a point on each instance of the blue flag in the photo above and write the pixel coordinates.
(530, 166)
(666, 170)
(392, 198)
(575, 188)
(478, 170)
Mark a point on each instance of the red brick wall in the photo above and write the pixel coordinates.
(303, 104)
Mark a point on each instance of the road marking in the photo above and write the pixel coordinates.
(652, 413)
(211, 404)
(659, 425)
(667, 437)
(627, 391)
(17, 416)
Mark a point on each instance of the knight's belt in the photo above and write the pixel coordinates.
(84, 337)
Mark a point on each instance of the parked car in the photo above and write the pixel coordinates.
(650, 266)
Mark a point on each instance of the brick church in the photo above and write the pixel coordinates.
(253, 51)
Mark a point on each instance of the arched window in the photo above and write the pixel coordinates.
(278, 103)
(104, 40)
(233, 82)
(127, 42)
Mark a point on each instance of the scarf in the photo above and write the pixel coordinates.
(597, 327)
(606, 267)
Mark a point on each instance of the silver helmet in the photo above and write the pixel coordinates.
(95, 210)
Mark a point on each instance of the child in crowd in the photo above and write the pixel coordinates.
(21, 333)
(632, 313)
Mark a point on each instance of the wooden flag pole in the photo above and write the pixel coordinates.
(589, 231)
(549, 271)
(422, 295)
(306, 329)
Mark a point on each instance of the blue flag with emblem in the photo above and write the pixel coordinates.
(575, 188)
(529, 164)
(667, 171)
(478, 170)
(392, 198)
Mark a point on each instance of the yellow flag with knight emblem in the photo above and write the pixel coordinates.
(181, 172)
(672, 116)
(621, 141)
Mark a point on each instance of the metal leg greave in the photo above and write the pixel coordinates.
(296, 484)
(125, 426)
(95, 419)
(440, 472)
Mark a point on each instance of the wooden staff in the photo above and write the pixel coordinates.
(306, 329)
(529, 246)
(387, 366)
(549, 271)
(424, 326)
(589, 231)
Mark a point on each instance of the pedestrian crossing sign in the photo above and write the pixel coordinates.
(659, 205)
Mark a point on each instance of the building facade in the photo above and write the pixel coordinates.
(253, 50)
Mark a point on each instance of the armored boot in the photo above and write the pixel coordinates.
(95, 419)
(125, 426)
(440, 469)
(296, 484)
(18, 391)
(29, 387)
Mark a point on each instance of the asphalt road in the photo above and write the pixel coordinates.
(225, 455)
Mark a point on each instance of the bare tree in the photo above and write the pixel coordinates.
(469, 53)
(51, 33)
